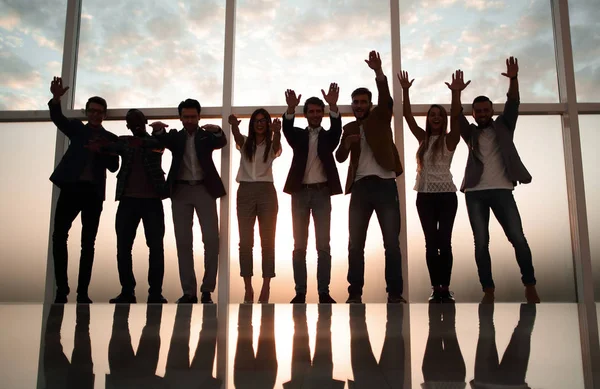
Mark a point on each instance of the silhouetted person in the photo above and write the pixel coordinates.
(81, 177)
(511, 371)
(179, 373)
(129, 369)
(443, 363)
(58, 372)
(389, 372)
(260, 371)
(319, 374)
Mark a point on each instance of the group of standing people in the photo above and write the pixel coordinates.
(193, 184)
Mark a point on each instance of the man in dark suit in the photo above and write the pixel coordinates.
(194, 184)
(81, 177)
(312, 180)
(140, 190)
(374, 166)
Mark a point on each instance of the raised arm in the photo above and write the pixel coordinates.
(458, 121)
(511, 108)
(288, 117)
(218, 139)
(407, 111)
(276, 128)
(456, 86)
(56, 115)
(384, 99)
(331, 97)
(235, 130)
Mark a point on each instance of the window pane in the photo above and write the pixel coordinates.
(26, 163)
(282, 286)
(305, 46)
(544, 213)
(31, 44)
(590, 142)
(584, 17)
(439, 37)
(151, 53)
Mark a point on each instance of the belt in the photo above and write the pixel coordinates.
(190, 182)
(318, 185)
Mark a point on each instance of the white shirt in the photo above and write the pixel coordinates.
(435, 176)
(494, 170)
(314, 172)
(367, 165)
(258, 170)
(190, 169)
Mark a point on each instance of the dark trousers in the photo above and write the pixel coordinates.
(380, 195)
(73, 199)
(318, 202)
(437, 212)
(257, 200)
(502, 203)
(150, 212)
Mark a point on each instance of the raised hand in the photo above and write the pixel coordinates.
(57, 89)
(458, 82)
(158, 126)
(275, 126)
(332, 95)
(403, 78)
(211, 128)
(512, 67)
(233, 120)
(291, 99)
(374, 60)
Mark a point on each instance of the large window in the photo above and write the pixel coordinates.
(31, 45)
(584, 17)
(151, 53)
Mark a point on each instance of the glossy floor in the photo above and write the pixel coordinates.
(285, 346)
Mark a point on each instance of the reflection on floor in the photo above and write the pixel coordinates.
(303, 346)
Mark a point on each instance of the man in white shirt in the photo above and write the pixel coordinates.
(312, 180)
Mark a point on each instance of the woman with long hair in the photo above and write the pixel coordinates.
(256, 196)
(436, 197)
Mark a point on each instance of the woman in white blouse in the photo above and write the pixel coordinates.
(256, 196)
(436, 197)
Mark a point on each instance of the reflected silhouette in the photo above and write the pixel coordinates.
(511, 371)
(58, 371)
(260, 371)
(389, 373)
(443, 363)
(129, 369)
(179, 373)
(319, 375)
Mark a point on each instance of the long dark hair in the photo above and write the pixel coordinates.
(249, 148)
(438, 145)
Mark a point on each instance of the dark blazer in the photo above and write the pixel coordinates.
(151, 159)
(326, 144)
(504, 126)
(73, 162)
(206, 143)
(378, 133)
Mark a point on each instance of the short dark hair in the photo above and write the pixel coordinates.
(96, 100)
(362, 91)
(189, 103)
(134, 111)
(313, 101)
(481, 99)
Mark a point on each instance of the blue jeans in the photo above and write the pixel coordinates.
(380, 195)
(317, 201)
(502, 203)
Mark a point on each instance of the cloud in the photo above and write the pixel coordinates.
(483, 5)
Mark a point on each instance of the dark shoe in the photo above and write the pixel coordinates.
(436, 295)
(395, 299)
(488, 296)
(187, 299)
(354, 298)
(205, 298)
(124, 298)
(531, 294)
(156, 299)
(61, 299)
(447, 297)
(300, 298)
(325, 298)
(83, 299)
